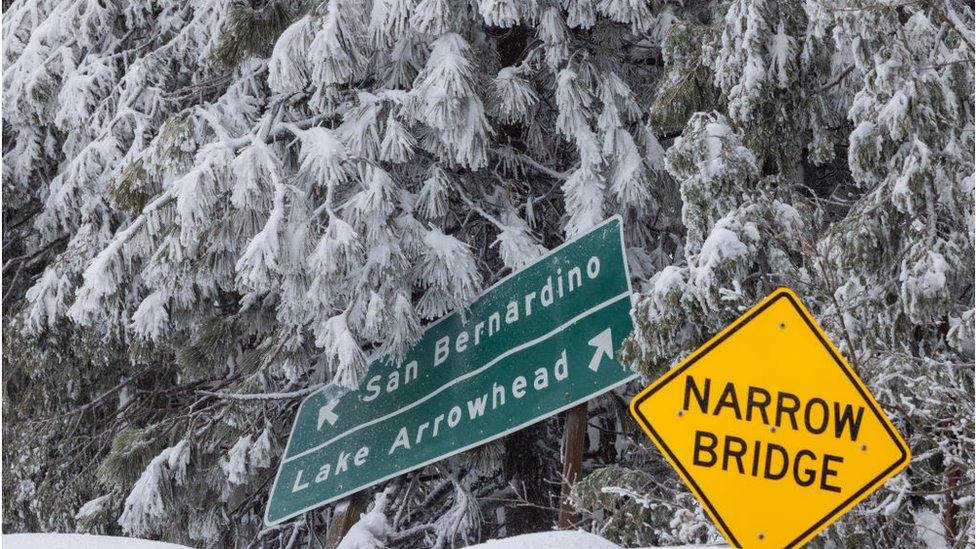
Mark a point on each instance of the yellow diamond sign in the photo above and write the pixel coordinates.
(771, 428)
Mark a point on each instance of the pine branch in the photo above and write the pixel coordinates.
(261, 397)
(519, 157)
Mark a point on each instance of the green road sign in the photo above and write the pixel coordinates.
(538, 342)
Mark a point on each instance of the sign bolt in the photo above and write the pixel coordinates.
(779, 331)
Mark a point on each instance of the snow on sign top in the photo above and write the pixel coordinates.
(769, 409)
(540, 341)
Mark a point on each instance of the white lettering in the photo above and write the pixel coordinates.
(461, 343)
(373, 386)
(323, 473)
(402, 441)
(511, 314)
(441, 350)
(411, 368)
(518, 387)
(494, 323)
(578, 275)
(497, 395)
(361, 456)
(454, 417)
(561, 369)
(343, 463)
(393, 382)
(593, 267)
(541, 379)
(545, 296)
(476, 407)
(299, 485)
(420, 431)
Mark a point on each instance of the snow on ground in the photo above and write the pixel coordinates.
(79, 541)
(541, 540)
(563, 540)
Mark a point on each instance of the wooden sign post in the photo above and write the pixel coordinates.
(343, 520)
(574, 439)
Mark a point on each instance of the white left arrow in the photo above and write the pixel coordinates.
(603, 342)
(326, 414)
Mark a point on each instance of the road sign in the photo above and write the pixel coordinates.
(538, 342)
(771, 428)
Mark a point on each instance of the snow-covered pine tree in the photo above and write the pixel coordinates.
(212, 207)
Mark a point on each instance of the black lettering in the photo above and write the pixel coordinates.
(847, 416)
(736, 453)
(791, 410)
(826, 471)
(701, 396)
(728, 400)
(824, 413)
(768, 472)
(710, 449)
(755, 458)
(753, 402)
(810, 474)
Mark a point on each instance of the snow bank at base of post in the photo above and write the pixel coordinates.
(562, 540)
(80, 541)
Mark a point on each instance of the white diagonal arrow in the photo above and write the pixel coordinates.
(603, 342)
(326, 414)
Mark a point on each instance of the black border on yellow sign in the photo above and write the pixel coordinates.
(781, 293)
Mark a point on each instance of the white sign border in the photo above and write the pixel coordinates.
(628, 379)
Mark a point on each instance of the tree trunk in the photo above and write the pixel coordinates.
(526, 468)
